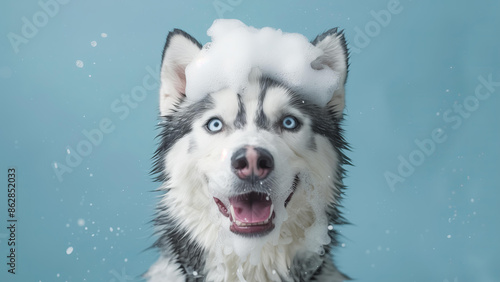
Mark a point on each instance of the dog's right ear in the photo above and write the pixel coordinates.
(180, 49)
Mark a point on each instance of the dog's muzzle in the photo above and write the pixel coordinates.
(251, 213)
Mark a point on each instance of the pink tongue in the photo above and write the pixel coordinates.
(251, 208)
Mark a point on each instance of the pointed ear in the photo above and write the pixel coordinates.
(336, 57)
(180, 49)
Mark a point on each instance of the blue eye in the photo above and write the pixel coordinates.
(290, 123)
(214, 125)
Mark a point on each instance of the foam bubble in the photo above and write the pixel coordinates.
(79, 63)
(236, 49)
(81, 222)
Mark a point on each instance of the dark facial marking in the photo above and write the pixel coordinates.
(174, 127)
(261, 119)
(312, 144)
(241, 118)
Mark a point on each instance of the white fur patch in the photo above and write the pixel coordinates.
(165, 270)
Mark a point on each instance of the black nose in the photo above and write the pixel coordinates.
(252, 163)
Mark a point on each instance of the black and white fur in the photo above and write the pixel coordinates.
(189, 165)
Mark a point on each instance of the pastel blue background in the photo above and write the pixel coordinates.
(440, 224)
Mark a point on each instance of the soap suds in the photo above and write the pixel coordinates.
(236, 49)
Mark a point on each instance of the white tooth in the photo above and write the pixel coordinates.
(232, 212)
(271, 212)
(245, 224)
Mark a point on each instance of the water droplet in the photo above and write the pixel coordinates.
(79, 63)
(81, 222)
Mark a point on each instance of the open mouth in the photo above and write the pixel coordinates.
(251, 214)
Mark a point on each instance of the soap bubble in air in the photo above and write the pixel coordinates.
(79, 63)
(81, 222)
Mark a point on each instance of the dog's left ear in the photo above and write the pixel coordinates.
(180, 49)
(336, 57)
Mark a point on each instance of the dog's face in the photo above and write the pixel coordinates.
(250, 168)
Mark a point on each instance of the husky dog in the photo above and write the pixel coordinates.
(251, 182)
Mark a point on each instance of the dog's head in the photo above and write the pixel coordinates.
(260, 163)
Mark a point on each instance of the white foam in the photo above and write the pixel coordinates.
(236, 49)
(81, 222)
(79, 63)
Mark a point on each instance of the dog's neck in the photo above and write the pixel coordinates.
(287, 259)
(275, 263)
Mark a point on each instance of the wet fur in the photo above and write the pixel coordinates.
(187, 220)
